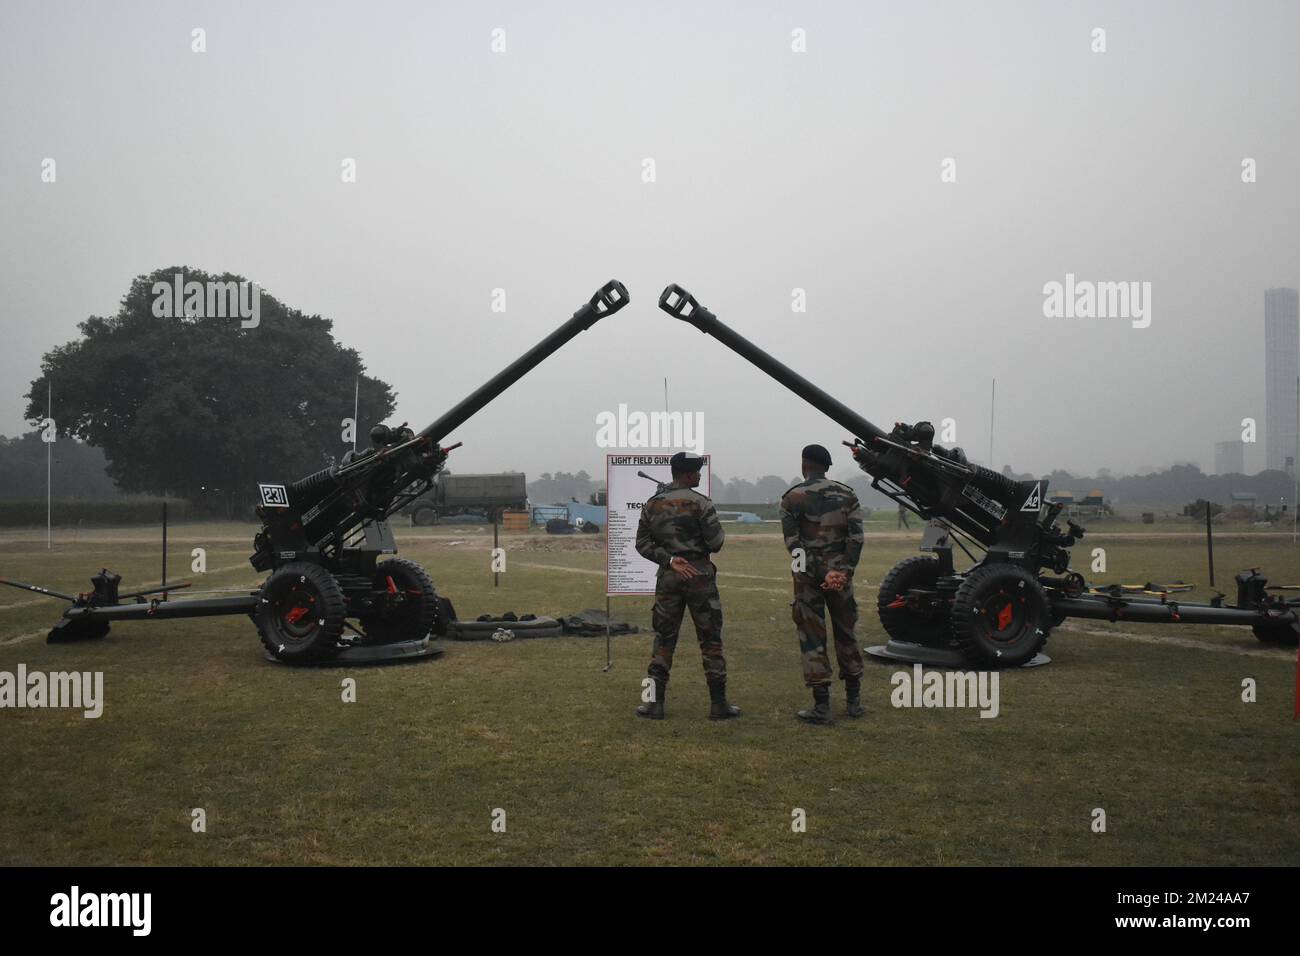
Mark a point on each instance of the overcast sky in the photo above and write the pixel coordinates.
(775, 170)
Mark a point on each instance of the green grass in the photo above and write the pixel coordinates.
(1154, 733)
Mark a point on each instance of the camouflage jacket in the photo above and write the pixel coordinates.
(823, 517)
(678, 522)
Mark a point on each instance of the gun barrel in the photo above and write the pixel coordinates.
(611, 297)
(680, 304)
(37, 588)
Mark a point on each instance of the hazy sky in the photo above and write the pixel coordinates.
(776, 170)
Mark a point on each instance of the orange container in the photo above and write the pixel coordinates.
(514, 521)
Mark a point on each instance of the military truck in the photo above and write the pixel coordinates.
(470, 494)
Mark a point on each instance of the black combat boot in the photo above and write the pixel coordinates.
(655, 709)
(719, 709)
(821, 709)
(853, 696)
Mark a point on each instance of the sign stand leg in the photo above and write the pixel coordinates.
(609, 654)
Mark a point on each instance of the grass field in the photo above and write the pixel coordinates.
(1145, 722)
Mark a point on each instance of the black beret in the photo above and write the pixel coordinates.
(684, 461)
(818, 454)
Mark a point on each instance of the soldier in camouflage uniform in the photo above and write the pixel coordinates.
(821, 517)
(679, 529)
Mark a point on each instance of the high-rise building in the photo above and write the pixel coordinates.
(1230, 457)
(1281, 371)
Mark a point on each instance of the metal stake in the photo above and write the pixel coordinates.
(1209, 542)
(164, 551)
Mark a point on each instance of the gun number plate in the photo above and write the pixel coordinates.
(274, 496)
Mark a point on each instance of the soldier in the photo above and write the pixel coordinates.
(822, 525)
(679, 529)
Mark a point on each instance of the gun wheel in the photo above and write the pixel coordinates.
(424, 517)
(903, 622)
(407, 608)
(1001, 616)
(301, 614)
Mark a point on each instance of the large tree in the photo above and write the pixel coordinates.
(200, 407)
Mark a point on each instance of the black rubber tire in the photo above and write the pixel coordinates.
(1275, 635)
(901, 624)
(424, 517)
(416, 617)
(313, 636)
(995, 589)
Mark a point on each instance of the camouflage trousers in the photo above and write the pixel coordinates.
(809, 612)
(674, 595)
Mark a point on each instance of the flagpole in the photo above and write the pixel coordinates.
(356, 405)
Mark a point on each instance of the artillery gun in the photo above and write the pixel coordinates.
(660, 486)
(334, 586)
(1000, 611)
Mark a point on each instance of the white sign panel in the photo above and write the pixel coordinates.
(626, 572)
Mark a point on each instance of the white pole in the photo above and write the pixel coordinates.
(49, 468)
(356, 405)
(993, 401)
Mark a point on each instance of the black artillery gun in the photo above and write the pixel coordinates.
(999, 611)
(661, 486)
(334, 590)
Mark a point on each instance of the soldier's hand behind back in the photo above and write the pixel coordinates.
(683, 567)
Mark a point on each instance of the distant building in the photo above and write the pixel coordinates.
(1230, 457)
(1281, 370)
